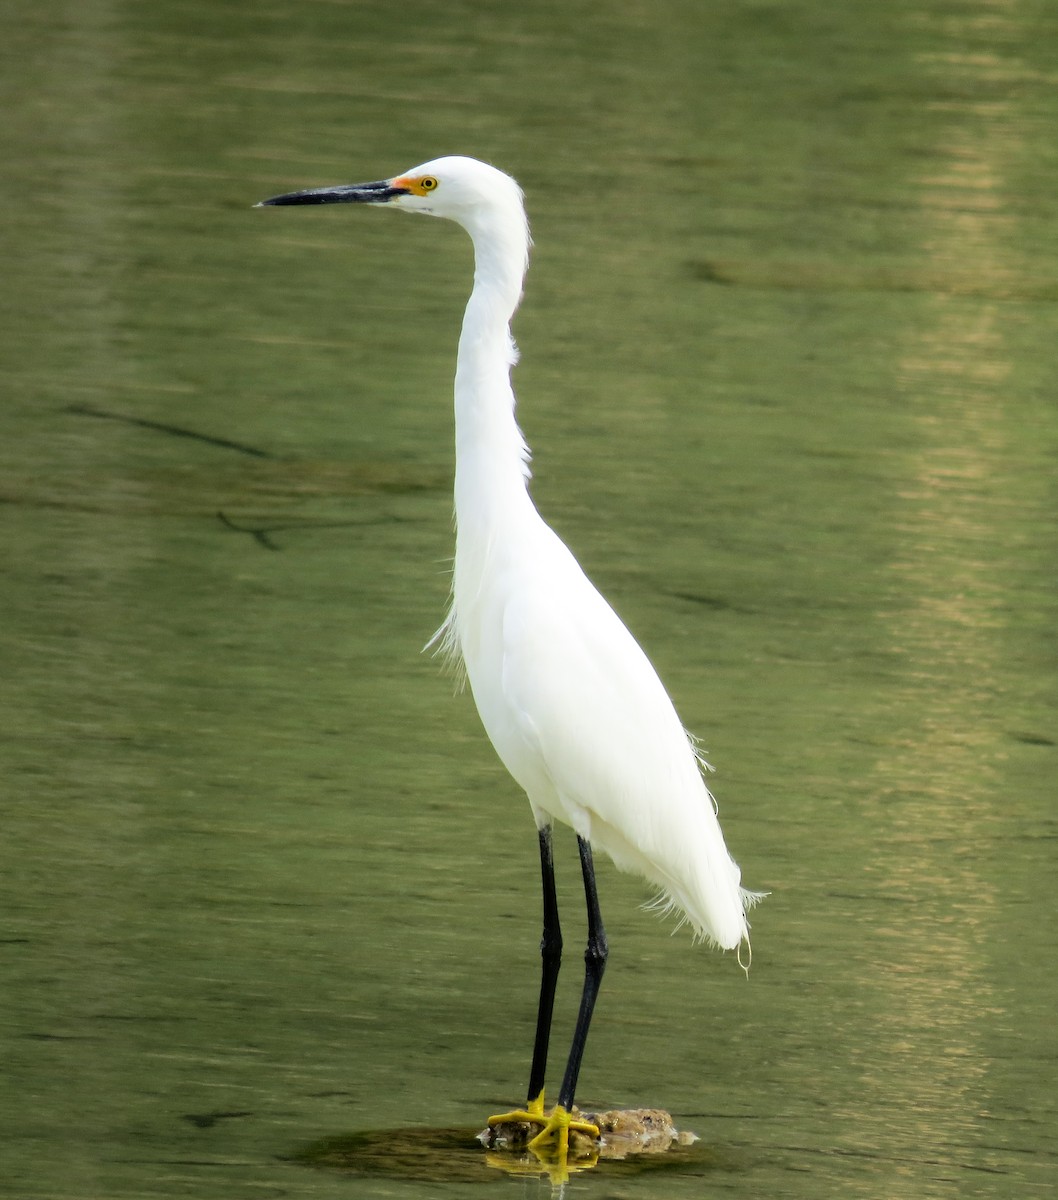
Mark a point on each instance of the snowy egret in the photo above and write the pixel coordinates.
(569, 700)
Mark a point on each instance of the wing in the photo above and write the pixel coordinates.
(585, 697)
(582, 721)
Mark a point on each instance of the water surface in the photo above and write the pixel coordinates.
(788, 373)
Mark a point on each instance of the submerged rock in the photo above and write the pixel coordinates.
(622, 1132)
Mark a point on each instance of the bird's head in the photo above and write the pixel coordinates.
(463, 189)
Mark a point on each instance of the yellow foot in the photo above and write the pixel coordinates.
(555, 1131)
(554, 1126)
(550, 1144)
(532, 1114)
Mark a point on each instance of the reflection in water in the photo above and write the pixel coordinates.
(937, 790)
(456, 1156)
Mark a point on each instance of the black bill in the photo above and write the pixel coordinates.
(346, 193)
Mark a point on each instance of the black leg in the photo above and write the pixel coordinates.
(594, 965)
(551, 961)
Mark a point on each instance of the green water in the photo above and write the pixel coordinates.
(789, 376)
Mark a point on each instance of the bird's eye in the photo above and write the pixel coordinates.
(427, 183)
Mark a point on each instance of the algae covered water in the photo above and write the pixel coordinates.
(788, 344)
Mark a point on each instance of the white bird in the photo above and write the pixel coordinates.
(569, 700)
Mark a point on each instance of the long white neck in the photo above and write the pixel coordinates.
(492, 458)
